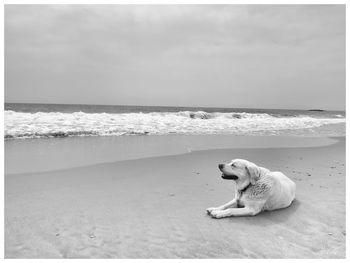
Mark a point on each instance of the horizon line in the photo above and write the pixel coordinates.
(213, 107)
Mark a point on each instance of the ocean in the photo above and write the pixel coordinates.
(25, 121)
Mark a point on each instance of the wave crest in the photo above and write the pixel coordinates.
(58, 124)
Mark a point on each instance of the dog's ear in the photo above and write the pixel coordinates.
(253, 172)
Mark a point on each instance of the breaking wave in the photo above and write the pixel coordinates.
(58, 124)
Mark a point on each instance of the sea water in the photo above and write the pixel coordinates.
(23, 121)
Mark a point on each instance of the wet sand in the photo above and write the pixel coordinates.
(39, 155)
(156, 208)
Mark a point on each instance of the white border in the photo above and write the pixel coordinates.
(2, 200)
(169, 2)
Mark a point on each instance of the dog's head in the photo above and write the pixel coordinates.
(241, 171)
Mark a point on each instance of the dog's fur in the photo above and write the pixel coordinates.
(257, 189)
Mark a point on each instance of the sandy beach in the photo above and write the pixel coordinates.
(155, 207)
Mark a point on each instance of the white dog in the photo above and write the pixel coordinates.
(257, 189)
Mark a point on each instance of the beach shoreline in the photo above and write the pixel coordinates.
(44, 155)
(155, 208)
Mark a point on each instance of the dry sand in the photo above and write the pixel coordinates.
(156, 208)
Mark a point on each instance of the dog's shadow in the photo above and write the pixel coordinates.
(268, 217)
(282, 215)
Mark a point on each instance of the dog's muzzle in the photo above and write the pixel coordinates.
(227, 176)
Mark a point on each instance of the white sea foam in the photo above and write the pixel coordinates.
(57, 124)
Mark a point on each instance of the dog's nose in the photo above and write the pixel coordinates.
(221, 166)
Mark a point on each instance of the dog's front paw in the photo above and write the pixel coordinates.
(211, 209)
(217, 214)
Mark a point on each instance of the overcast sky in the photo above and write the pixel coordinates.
(256, 56)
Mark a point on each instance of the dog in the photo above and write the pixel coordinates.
(257, 189)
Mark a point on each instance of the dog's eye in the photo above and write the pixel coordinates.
(233, 165)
